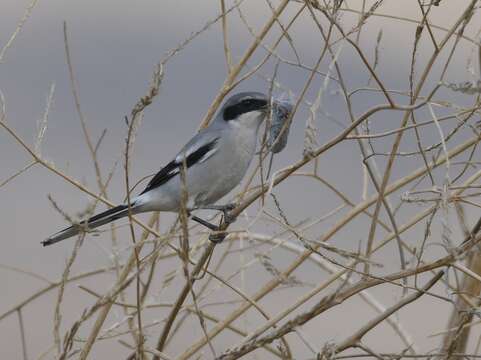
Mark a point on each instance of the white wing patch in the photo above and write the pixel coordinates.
(180, 157)
(208, 155)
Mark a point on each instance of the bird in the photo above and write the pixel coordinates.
(213, 162)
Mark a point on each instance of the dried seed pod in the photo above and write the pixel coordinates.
(281, 110)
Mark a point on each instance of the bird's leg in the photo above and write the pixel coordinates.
(215, 238)
(226, 207)
(228, 219)
(226, 210)
(204, 222)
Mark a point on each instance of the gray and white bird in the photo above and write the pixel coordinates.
(216, 160)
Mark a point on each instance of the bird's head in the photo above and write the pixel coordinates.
(246, 109)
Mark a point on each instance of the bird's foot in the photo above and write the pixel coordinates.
(226, 210)
(229, 207)
(218, 237)
(229, 218)
(218, 234)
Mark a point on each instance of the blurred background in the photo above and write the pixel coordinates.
(115, 46)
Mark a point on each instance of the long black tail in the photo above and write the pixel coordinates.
(95, 221)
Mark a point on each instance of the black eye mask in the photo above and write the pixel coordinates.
(233, 111)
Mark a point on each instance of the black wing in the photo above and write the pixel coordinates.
(173, 168)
